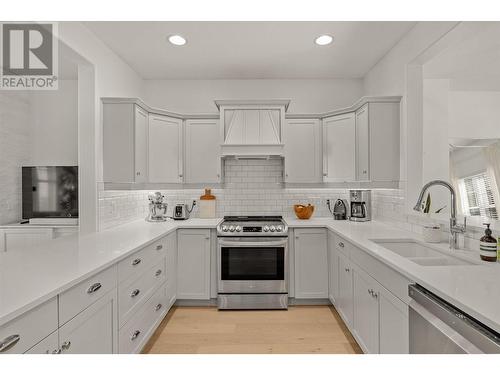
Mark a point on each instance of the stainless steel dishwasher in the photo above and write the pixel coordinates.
(437, 327)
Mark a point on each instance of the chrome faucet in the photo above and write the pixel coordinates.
(455, 229)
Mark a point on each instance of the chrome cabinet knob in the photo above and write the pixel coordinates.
(135, 335)
(158, 307)
(66, 345)
(94, 288)
(158, 273)
(159, 247)
(135, 293)
(135, 262)
(341, 244)
(9, 342)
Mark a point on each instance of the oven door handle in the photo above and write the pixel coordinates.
(253, 243)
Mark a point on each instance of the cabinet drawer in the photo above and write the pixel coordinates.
(78, 298)
(141, 260)
(49, 345)
(24, 332)
(389, 278)
(132, 294)
(343, 246)
(135, 333)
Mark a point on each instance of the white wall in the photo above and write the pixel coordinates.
(15, 145)
(55, 125)
(306, 95)
(101, 73)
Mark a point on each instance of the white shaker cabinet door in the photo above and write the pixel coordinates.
(303, 151)
(311, 264)
(202, 151)
(193, 264)
(344, 301)
(366, 311)
(94, 330)
(171, 269)
(362, 144)
(141, 145)
(393, 324)
(333, 269)
(165, 149)
(339, 148)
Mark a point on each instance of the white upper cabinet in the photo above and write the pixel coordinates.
(362, 145)
(339, 154)
(377, 142)
(125, 143)
(202, 151)
(303, 151)
(165, 149)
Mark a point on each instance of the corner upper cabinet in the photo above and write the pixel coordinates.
(303, 151)
(125, 142)
(252, 127)
(377, 142)
(339, 148)
(165, 149)
(202, 151)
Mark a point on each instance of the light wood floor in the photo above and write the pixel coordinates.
(300, 329)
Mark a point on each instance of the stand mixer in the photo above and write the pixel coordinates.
(157, 209)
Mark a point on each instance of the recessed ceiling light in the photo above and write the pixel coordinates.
(323, 40)
(177, 40)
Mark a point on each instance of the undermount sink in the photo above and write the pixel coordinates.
(420, 253)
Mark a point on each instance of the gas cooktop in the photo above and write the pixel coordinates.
(238, 226)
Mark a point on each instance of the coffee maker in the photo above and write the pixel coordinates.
(361, 205)
(157, 209)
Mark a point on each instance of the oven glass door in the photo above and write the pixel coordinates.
(252, 263)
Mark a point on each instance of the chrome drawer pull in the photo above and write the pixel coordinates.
(159, 247)
(158, 307)
(134, 293)
(341, 244)
(9, 342)
(135, 335)
(158, 273)
(94, 288)
(135, 262)
(66, 345)
(55, 351)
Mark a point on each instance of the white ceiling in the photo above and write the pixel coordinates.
(231, 50)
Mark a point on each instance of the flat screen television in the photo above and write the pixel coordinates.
(50, 192)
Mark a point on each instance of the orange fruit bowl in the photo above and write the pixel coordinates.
(303, 212)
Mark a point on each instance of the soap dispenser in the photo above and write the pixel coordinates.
(488, 246)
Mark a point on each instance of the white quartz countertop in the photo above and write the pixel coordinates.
(475, 289)
(31, 276)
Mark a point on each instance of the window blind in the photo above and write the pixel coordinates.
(479, 199)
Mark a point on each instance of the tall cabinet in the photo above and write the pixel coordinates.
(339, 155)
(165, 149)
(125, 141)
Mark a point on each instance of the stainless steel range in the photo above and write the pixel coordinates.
(252, 263)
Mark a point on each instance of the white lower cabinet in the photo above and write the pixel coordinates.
(333, 269)
(394, 327)
(366, 311)
(193, 264)
(344, 301)
(171, 269)
(311, 263)
(93, 331)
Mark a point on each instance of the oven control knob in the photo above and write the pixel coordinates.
(238, 228)
(266, 229)
(272, 228)
(231, 228)
(279, 228)
(224, 228)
